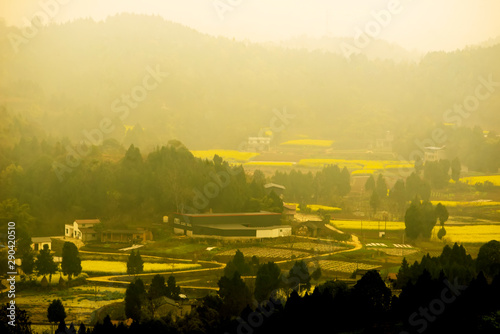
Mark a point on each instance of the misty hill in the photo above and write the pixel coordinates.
(215, 92)
(376, 49)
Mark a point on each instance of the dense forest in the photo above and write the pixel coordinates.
(42, 194)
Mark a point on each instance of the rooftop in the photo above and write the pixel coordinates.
(124, 231)
(37, 240)
(274, 185)
(242, 227)
(87, 221)
(262, 213)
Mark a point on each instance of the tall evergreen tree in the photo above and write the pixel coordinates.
(45, 264)
(135, 264)
(71, 263)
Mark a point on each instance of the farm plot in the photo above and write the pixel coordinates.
(270, 163)
(266, 252)
(478, 203)
(366, 166)
(469, 233)
(311, 246)
(308, 143)
(344, 267)
(227, 155)
(367, 225)
(472, 180)
(317, 207)
(397, 251)
(117, 267)
(79, 302)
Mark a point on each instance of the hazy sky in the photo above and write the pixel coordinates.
(414, 24)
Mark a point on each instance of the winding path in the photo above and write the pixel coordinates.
(114, 279)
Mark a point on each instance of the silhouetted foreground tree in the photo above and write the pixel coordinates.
(442, 294)
(13, 315)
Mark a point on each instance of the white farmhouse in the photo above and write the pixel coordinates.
(82, 229)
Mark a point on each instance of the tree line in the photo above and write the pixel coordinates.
(126, 190)
(326, 187)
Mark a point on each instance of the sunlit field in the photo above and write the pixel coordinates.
(308, 142)
(317, 207)
(469, 233)
(228, 155)
(453, 204)
(472, 180)
(366, 165)
(96, 267)
(367, 225)
(344, 267)
(267, 253)
(269, 163)
(363, 172)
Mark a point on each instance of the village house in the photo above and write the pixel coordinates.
(289, 212)
(83, 229)
(277, 188)
(126, 235)
(37, 243)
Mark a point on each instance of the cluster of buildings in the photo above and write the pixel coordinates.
(241, 225)
(256, 225)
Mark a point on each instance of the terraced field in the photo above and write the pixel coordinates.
(315, 247)
(267, 252)
(343, 266)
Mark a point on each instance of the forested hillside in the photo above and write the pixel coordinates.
(215, 92)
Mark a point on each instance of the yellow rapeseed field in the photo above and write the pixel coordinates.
(367, 225)
(453, 204)
(472, 180)
(269, 163)
(469, 233)
(228, 155)
(462, 234)
(119, 267)
(367, 166)
(316, 207)
(308, 142)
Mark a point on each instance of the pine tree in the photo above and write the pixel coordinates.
(45, 264)
(135, 264)
(71, 263)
